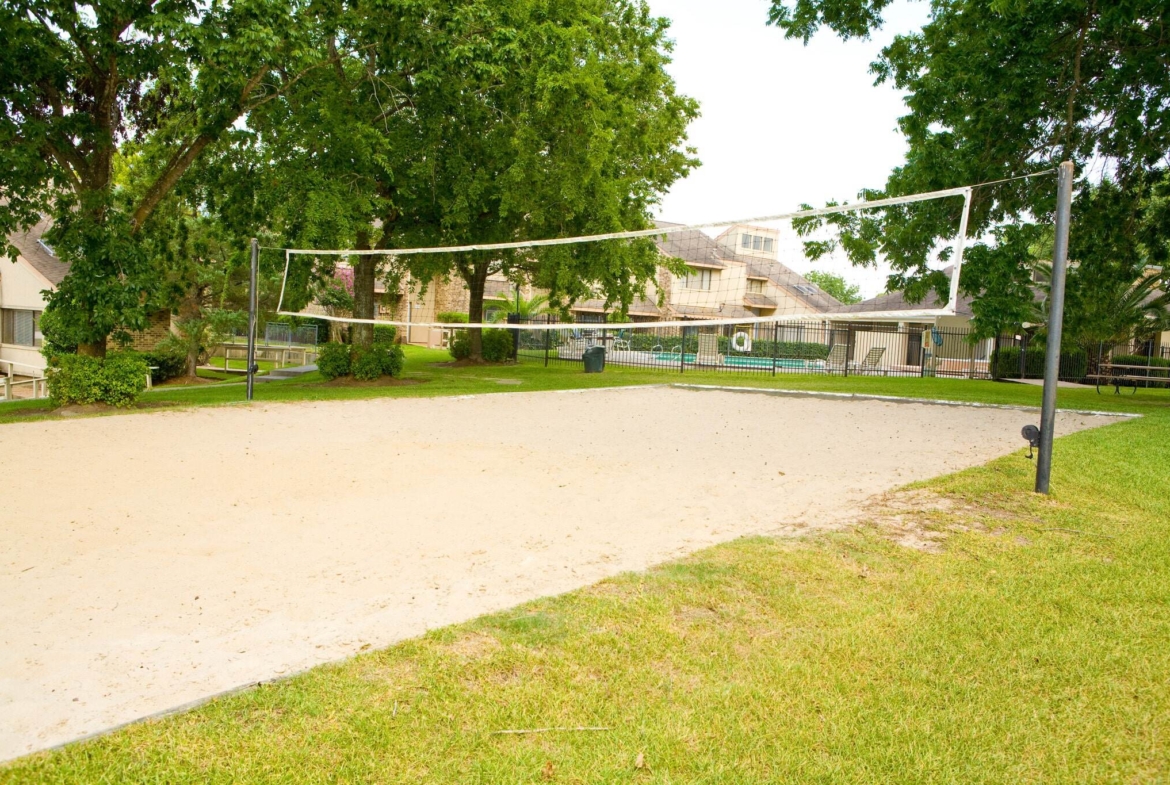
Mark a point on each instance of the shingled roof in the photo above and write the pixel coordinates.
(896, 301)
(698, 250)
(39, 255)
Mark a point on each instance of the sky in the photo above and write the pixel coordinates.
(782, 123)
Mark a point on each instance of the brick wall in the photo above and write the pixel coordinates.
(159, 328)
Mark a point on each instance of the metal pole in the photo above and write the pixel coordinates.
(1055, 325)
(252, 318)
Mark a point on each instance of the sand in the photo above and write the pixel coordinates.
(154, 559)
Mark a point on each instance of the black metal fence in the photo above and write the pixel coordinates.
(771, 349)
(873, 349)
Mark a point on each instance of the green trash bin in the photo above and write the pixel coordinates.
(594, 358)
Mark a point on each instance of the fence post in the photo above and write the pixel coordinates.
(547, 337)
(514, 318)
(8, 387)
(848, 346)
(971, 362)
(775, 344)
(682, 350)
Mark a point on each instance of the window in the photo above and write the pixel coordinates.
(698, 279)
(755, 287)
(805, 288)
(757, 242)
(746, 240)
(769, 245)
(21, 328)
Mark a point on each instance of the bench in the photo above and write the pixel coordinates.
(1119, 375)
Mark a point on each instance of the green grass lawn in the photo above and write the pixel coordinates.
(422, 365)
(1034, 645)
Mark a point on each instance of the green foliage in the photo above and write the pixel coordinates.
(165, 361)
(392, 357)
(365, 365)
(334, 360)
(999, 89)
(497, 345)
(118, 380)
(835, 286)
(451, 317)
(82, 83)
(527, 307)
(385, 333)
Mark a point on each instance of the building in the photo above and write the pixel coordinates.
(23, 283)
(735, 275)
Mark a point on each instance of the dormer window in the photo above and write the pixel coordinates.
(755, 286)
(757, 242)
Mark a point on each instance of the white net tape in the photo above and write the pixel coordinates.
(754, 271)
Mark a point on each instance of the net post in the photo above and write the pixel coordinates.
(1055, 325)
(251, 319)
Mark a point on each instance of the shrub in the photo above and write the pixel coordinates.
(385, 333)
(451, 317)
(118, 380)
(333, 360)
(460, 345)
(497, 345)
(392, 359)
(1074, 363)
(167, 360)
(366, 364)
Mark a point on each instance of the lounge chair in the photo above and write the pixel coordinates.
(835, 361)
(871, 362)
(708, 353)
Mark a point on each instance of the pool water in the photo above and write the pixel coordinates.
(738, 362)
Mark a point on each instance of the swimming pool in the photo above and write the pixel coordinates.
(740, 362)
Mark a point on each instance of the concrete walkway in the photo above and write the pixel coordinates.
(277, 374)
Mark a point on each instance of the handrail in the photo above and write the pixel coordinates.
(40, 372)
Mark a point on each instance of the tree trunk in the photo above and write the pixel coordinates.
(476, 283)
(364, 269)
(95, 349)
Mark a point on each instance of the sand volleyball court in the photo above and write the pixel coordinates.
(150, 560)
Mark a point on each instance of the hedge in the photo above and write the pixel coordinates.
(1074, 363)
(364, 364)
(118, 380)
(497, 345)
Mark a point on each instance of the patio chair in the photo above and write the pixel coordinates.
(708, 353)
(835, 361)
(872, 360)
(620, 342)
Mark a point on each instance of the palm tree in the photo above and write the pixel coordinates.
(1112, 313)
(502, 305)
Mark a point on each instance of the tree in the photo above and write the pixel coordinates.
(533, 120)
(525, 307)
(1003, 88)
(836, 286)
(78, 81)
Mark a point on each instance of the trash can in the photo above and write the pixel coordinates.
(594, 358)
